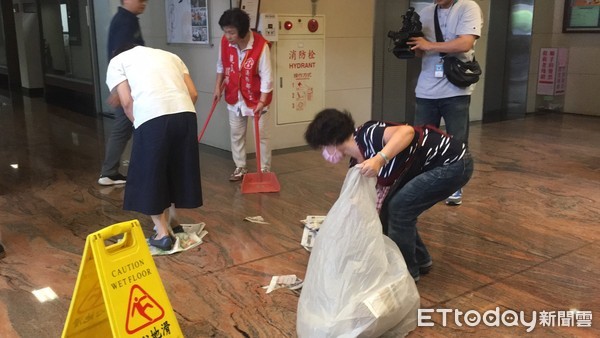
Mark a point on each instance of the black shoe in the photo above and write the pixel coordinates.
(178, 229)
(2, 251)
(112, 180)
(425, 268)
(165, 243)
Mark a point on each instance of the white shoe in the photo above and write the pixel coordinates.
(112, 180)
(455, 199)
(238, 174)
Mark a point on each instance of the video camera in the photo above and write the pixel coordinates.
(411, 27)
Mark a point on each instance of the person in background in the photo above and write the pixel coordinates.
(416, 167)
(460, 22)
(244, 68)
(124, 30)
(158, 95)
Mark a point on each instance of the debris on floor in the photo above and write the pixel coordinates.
(286, 281)
(190, 238)
(312, 224)
(256, 219)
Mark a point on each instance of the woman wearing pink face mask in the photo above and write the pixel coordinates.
(415, 166)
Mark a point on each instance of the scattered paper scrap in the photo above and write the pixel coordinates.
(308, 239)
(312, 224)
(287, 281)
(190, 238)
(256, 219)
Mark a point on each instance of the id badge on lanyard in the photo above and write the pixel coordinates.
(439, 69)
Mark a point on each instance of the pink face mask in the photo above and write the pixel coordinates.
(336, 157)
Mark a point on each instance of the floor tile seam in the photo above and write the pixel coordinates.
(489, 240)
(297, 170)
(287, 172)
(500, 280)
(212, 272)
(505, 245)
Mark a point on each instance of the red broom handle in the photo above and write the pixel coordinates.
(212, 110)
(257, 141)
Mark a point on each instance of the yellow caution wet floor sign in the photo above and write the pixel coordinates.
(118, 291)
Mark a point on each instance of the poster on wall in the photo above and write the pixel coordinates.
(251, 7)
(187, 21)
(552, 71)
(581, 16)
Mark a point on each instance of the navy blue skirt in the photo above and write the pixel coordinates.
(165, 165)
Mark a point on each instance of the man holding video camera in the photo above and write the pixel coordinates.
(460, 22)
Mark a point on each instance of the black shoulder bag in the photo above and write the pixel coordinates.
(459, 73)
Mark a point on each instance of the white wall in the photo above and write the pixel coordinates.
(349, 60)
(348, 50)
(583, 74)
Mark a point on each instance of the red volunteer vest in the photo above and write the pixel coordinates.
(247, 79)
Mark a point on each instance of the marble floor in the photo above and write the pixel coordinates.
(526, 238)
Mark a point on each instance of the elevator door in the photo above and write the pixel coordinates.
(393, 87)
(67, 54)
(508, 58)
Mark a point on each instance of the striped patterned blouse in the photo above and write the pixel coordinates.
(435, 148)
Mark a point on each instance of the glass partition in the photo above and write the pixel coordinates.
(66, 40)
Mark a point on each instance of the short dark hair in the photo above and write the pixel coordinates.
(329, 127)
(237, 18)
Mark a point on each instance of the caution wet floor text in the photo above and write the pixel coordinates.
(118, 291)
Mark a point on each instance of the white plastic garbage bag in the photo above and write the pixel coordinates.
(357, 283)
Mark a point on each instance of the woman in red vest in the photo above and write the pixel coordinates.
(244, 66)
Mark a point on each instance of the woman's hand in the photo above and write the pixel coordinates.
(217, 93)
(371, 167)
(219, 87)
(259, 108)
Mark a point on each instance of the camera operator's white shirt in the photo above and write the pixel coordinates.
(463, 17)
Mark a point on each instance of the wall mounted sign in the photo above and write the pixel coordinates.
(187, 21)
(581, 16)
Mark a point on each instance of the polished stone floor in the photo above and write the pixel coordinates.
(527, 237)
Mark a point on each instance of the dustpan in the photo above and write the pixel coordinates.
(259, 181)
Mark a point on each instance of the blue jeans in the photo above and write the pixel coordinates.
(416, 196)
(454, 110)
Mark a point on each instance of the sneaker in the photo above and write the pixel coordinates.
(238, 174)
(455, 199)
(265, 170)
(2, 251)
(165, 243)
(112, 180)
